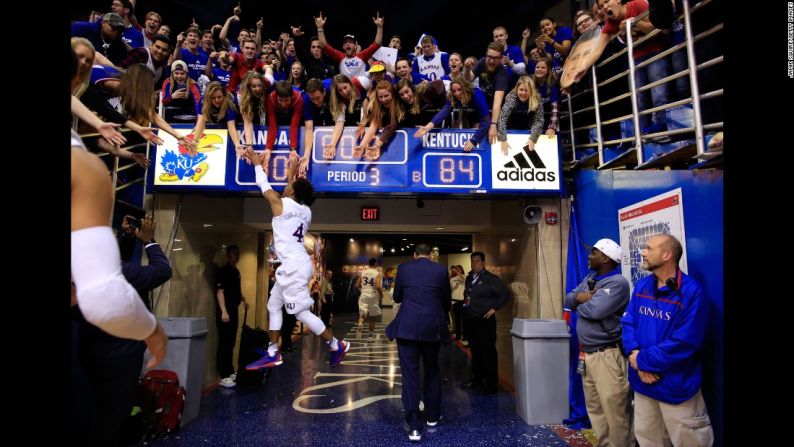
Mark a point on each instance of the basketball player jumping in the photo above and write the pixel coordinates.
(291, 220)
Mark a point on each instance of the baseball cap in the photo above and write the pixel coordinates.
(351, 37)
(377, 67)
(178, 65)
(114, 20)
(610, 249)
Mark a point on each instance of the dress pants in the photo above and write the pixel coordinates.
(411, 352)
(481, 334)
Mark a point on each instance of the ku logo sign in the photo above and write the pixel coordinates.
(526, 169)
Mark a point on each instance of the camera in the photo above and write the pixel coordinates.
(134, 223)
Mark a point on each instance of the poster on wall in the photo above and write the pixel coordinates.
(662, 214)
(173, 165)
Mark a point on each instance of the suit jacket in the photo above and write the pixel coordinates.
(422, 286)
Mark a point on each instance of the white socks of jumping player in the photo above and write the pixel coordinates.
(333, 344)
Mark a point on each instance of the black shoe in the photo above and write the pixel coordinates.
(414, 435)
(470, 384)
(434, 423)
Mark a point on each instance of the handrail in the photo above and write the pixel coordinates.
(128, 184)
(698, 127)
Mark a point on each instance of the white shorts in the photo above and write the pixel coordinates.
(292, 287)
(369, 305)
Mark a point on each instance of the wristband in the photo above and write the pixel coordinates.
(261, 178)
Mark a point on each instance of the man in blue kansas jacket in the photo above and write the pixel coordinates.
(663, 331)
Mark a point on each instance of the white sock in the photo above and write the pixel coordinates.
(272, 349)
(333, 344)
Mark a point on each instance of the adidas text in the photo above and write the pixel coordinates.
(527, 175)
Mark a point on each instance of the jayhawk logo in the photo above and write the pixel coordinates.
(179, 166)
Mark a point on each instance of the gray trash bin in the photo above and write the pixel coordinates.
(541, 361)
(187, 342)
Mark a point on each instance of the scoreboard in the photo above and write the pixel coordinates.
(435, 163)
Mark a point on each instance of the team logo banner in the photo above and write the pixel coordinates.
(175, 167)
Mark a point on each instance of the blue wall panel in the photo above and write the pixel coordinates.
(598, 197)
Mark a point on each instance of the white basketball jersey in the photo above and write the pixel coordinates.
(432, 68)
(289, 229)
(368, 286)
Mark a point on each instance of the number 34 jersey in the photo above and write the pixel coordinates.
(289, 229)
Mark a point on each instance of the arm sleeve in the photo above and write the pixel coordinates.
(333, 53)
(442, 114)
(628, 324)
(606, 301)
(570, 299)
(272, 123)
(105, 298)
(481, 105)
(166, 92)
(296, 121)
(148, 277)
(367, 53)
(96, 102)
(537, 123)
(504, 116)
(501, 291)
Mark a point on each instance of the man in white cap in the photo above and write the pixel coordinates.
(599, 302)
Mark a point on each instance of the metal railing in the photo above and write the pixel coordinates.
(698, 127)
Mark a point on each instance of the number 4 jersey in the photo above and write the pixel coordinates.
(289, 229)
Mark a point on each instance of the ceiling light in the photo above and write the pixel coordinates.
(177, 249)
(392, 250)
(351, 240)
(177, 240)
(207, 225)
(440, 228)
(464, 248)
(513, 240)
(405, 239)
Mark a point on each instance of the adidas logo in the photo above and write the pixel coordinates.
(521, 168)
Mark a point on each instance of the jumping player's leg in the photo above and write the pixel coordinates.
(276, 319)
(272, 357)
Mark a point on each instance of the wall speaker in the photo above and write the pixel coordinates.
(532, 214)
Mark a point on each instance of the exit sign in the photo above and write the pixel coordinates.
(370, 213)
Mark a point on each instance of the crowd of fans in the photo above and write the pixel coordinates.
(294, 80)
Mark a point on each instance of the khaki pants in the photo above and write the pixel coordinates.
(607, 395)
(687, 423)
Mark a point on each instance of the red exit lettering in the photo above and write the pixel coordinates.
(370, 213)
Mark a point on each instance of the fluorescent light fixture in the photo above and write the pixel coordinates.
(177, 249)
(440, 228)
(464, 248)
(177, 240)
(207, 225)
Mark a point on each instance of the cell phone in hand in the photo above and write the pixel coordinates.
(134, 223)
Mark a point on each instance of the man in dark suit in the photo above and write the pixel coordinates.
(484, 294)
(422, 286)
